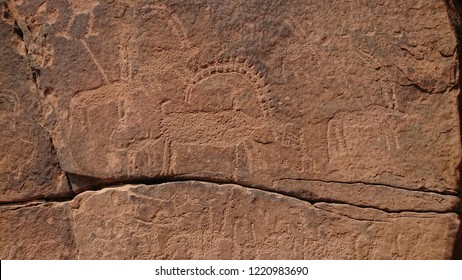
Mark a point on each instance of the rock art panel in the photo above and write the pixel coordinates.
(194, 220)
(28, 164)
(199, 220)
(296, 94)
(351, 106)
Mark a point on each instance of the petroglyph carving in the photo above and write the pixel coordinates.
(225, 101)
(289, 134)
(238, 89)
(235, 65)
(331, 109)
(110, 116)
(126, 67)
(93, 57)
(388, 87)
(83, 7)
(127, 136)
(161, 11)
(292, 136)
(225, 105)
(364, 134)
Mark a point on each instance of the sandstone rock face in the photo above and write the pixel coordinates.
(195, 220)
(343, 115)
(37, 231)
(28, 166)
(250, 92)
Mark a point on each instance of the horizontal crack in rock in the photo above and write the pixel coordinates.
(422, 189)
(110, 183)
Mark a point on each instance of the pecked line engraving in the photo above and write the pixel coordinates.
(164, 13)
(363, 134)
(389, 91)
(236, 65)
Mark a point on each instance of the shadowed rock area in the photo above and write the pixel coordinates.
(173, 129)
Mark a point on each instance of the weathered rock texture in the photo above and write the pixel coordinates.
(185, 220)
(37, 231)
(28, 167)
(333, 126)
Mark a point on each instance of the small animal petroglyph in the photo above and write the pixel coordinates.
(363, 134)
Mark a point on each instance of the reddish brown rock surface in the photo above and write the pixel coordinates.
(37, 231)
(344, 115)
(28, 165)
(195, 220)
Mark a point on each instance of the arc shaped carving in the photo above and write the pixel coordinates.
(195, 126)
(242, 67)
(162, 12)
(238, 66)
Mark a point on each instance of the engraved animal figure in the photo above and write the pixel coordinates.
(225, 106)
(122, 130)
(370, 134)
